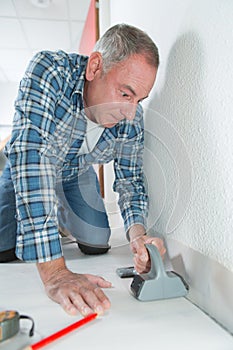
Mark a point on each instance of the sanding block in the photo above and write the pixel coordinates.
(158, 283)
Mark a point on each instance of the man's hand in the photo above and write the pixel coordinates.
(138, 239)
(74, 292)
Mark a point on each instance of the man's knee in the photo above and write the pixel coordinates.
(8, 256)
(90, 250)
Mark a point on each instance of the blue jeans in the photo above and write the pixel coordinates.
(81, 211)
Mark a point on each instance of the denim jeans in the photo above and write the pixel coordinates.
(80, 209)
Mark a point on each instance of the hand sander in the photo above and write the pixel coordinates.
(157, 283)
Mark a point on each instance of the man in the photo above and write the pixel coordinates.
(71, 112)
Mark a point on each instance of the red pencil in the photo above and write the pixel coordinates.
(40, 344)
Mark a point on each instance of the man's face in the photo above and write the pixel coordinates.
(114, 96)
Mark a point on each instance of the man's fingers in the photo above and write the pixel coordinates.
(103, 303)
(142, 253)
(158, 242)
(100, 281)
(67, 305)
(140, 266)
(102, 297)
(87, 302)
(75, 292)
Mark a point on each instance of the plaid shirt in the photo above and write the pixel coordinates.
(48, 130)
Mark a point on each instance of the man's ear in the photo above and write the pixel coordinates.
(94, 65)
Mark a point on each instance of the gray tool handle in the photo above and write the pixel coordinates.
(157, 267)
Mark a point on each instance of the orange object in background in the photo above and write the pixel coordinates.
(90, 32)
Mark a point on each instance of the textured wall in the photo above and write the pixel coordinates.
(189, 120)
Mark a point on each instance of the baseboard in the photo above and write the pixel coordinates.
(211, 284)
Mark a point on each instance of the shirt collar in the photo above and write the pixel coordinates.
(81, 76)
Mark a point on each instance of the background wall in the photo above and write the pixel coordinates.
(8, 93)
(26, 28)
(189, 144)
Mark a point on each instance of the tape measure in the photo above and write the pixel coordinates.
(9, 324)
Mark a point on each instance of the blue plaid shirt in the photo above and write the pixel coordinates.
(48, 130)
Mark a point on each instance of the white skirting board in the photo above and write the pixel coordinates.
(211, 284)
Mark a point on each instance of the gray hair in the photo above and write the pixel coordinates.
(123, 40)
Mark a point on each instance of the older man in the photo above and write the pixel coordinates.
(73, 111)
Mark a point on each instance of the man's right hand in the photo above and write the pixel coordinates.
(74, 292)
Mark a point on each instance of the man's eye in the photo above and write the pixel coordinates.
(124, 94)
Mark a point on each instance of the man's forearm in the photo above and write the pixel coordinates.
(136, 231)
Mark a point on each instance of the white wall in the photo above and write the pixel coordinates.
(8, 93)
(189, 143)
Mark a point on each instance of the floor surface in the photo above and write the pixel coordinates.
(130, 324)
